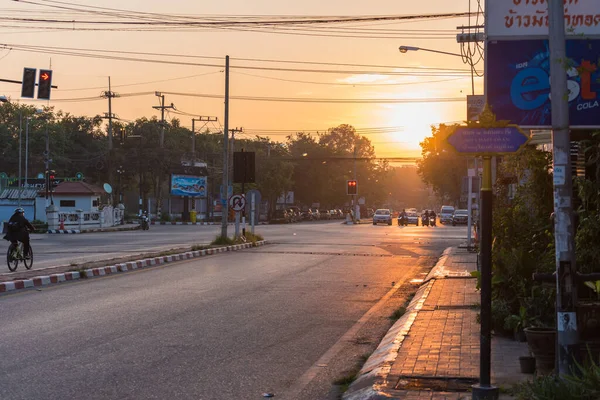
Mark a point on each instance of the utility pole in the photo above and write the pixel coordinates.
(109, 95)
(232, 151)
(162, 108)
(564, 239)
(204, 119)
(20, 134)
(47, 163)
(225, 157)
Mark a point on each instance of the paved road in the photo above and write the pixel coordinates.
(289, 318)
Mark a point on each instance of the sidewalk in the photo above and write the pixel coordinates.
(432, 352)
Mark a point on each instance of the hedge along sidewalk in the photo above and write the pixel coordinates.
(122, 267)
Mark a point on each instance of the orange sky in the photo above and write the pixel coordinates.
(79, 77)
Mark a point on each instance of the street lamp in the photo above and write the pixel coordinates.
(406, 49)
(120, 171)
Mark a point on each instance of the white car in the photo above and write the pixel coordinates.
(446, 214)
(382, 215)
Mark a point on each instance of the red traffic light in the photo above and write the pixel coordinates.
(44, 76)
(351, 187)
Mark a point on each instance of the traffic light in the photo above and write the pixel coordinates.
(28, 86)
(51, 178)
(45, 84)
(352, 187)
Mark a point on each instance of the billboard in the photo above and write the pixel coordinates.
(475, 105)
(524, 18)
(518, 82)
(188, 185)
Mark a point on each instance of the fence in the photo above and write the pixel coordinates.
(106, 217)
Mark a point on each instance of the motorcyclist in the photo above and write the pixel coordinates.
(432, 217)
(403, 217)
(18, 230)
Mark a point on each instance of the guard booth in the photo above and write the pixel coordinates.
(188, 190)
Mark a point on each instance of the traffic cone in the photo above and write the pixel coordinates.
(62, 225)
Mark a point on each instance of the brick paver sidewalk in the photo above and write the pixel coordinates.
(438, 357)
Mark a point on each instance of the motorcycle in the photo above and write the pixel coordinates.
(403, 220)
(425, 220)
(432, 221)
(145, 222)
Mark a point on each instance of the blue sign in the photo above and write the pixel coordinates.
(487, 140)
(188, 185)
(518, 82)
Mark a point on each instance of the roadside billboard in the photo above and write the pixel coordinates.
(518, 82)
(188, 185)
(526, 18)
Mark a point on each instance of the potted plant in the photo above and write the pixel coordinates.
(517, 323)
(527, 364)
(541, 334)
(588, 321)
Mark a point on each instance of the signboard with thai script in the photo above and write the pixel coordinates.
(518, 82)
(523, 18)
(487, 141)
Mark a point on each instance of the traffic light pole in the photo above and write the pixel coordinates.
(225, 156)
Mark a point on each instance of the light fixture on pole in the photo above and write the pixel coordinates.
(406, 49)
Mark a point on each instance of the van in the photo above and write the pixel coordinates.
(446, 214)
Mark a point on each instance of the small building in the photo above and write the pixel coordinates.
(9, 201)
(72, 196)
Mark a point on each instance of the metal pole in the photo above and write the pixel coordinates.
(193, 139)
(20, 134)
(469, 205)
(484, 390)
(564, 238)
(47, 162)
(26, 148)
(225, 157)
(252, 213)
(354, 197)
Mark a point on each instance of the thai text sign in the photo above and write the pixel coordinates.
(188, 185)
(480, 141)
(518, 82)
(530, 17)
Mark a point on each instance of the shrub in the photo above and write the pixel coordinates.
(222, 241)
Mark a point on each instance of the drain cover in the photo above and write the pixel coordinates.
(435, 384)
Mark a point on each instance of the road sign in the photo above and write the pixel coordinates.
(487, 141)
(237, 202)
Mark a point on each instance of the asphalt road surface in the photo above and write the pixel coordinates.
(292, 318)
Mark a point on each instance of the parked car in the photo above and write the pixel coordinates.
(325, 214)
(280, 216)
(382, 215)
(446, 214)
(460, 217)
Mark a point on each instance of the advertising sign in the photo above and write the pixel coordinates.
(188, 185)
(524, 18)
(475, 104)
(518, 82)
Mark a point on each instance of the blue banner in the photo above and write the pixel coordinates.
(188, 185)
(518, 82)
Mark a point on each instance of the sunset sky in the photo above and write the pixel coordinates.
(424, 75)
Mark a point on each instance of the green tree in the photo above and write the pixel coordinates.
(440, 166)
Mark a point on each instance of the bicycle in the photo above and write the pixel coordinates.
(15, 254)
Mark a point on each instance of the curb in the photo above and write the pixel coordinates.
(372, 379)
(64, 231)
(199, 223)
(123, 267)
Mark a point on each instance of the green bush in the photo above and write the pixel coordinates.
(165, 217)
(40, 226)
(222, 241)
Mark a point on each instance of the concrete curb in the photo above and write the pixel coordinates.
(123, 267)
(197, 223)
(373, 376)
(64, 231)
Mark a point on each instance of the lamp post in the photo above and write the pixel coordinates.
(406, 49)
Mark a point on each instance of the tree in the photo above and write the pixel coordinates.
(441, 167)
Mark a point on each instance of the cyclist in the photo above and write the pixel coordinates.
(18, 230)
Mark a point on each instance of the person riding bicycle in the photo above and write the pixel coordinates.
(18, 230)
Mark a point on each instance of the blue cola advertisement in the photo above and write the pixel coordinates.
(188, 185)
(518, 82)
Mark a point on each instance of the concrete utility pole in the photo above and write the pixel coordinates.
(162, 109)
(199, 119)
(564, 238)
(225, 157)
(109, 95)
(231, 151)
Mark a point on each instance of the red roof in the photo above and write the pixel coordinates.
(77, 188)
